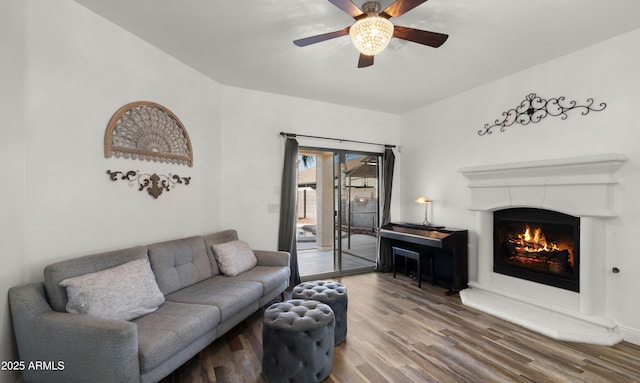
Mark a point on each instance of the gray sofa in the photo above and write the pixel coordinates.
(200, 305)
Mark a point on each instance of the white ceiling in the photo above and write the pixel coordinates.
(248, 43)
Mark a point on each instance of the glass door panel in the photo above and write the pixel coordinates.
(359, 210)
(337, 212)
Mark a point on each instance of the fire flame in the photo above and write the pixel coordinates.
(530, 247)
(536, 242)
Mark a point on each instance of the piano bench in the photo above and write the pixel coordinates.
(418, 257)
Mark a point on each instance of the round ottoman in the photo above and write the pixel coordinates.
(297, 341)
(331, 293)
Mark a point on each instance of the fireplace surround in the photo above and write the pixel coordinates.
(580, 187)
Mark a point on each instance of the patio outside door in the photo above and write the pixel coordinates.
(338, 212)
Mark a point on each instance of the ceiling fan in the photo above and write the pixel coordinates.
(372, 30)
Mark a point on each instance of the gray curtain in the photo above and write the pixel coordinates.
(384, 262)
(287, 228)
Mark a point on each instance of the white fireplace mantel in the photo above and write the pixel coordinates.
(579, 186)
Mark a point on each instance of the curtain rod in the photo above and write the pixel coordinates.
(283, 134)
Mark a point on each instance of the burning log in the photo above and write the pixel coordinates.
(532, 247)
(559, 260)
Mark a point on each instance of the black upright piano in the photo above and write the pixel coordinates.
(448, 247)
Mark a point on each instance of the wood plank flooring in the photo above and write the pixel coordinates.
(399, 333)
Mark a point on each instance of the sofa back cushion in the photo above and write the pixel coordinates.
(57, 272)
(179, 263)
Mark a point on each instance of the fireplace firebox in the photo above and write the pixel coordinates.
(537, 245)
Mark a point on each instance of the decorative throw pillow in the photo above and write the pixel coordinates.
(125, 292)
(234, 257)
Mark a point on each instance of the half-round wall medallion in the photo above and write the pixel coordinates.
(145, 130)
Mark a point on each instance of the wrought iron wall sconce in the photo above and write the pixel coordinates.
(154, 183)
(534, 108)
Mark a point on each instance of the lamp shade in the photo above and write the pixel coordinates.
(422, 200)
(371, 34)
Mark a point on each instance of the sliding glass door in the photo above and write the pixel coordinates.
(338, 211)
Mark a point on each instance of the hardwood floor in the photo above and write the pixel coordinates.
(399, 333)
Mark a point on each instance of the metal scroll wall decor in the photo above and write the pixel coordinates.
(154, 184)
(534, 108)
(144, 130)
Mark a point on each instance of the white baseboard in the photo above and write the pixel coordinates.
(630, 335)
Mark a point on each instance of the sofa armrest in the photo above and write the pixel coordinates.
(74, 348)
(272, 258)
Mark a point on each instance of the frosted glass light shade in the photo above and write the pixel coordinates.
(371, 35)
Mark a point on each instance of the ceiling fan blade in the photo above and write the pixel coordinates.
(348, 7)
(320, 38)
(432, 39)
(365, 61)
(400, 7)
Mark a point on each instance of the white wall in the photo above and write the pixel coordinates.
(12, 156)
(65, 71)
(253, 151)
(80, 70)
(440, 139)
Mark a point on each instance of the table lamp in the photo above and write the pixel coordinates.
(425, 201)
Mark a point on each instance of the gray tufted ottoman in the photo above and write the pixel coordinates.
(297, 341)
(332, 293)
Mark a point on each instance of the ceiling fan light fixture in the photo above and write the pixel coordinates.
(371, 34)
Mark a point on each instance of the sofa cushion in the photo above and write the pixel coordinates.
(214, 239)
(123, 292)
(234, 257)
(179, 263)
(228, 294)
(170, 329)
(57, 272)
(271, 277)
